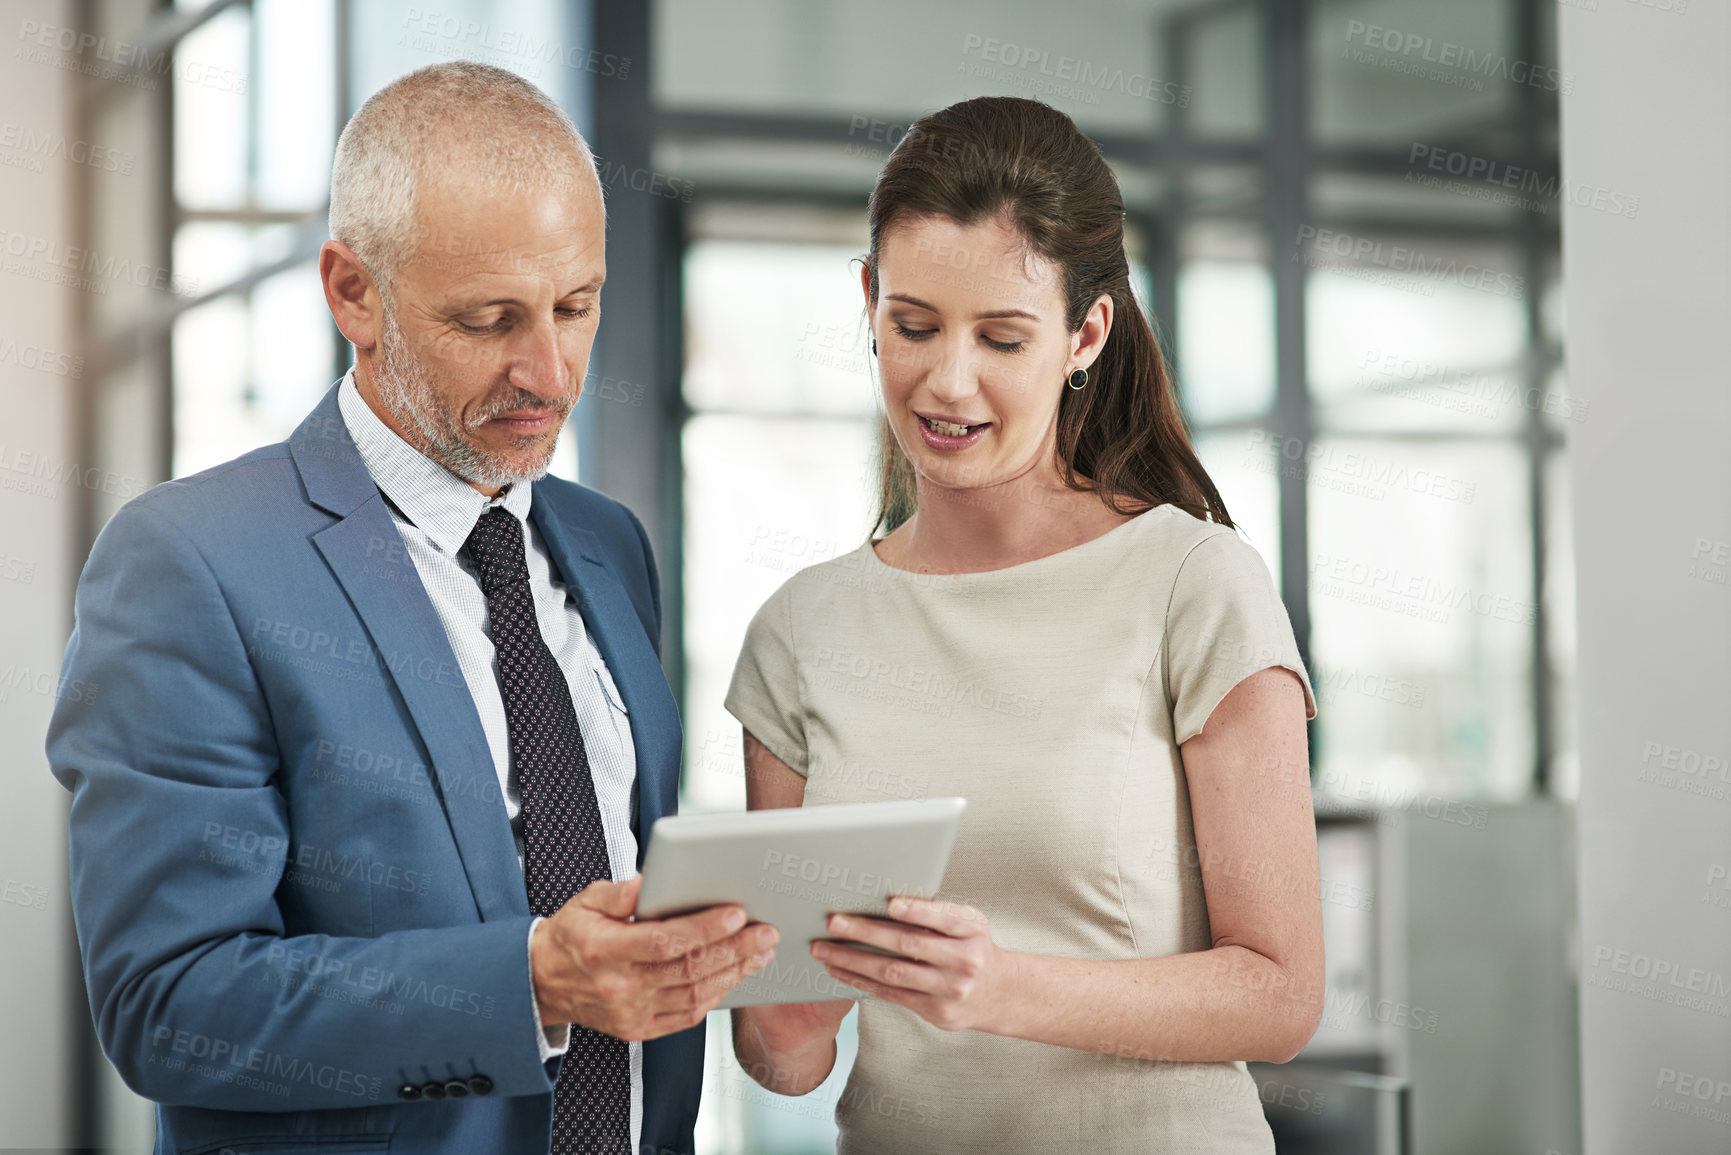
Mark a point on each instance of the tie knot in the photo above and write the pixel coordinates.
(495, 545)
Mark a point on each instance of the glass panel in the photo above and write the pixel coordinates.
(1409, 334)
(211, 368)
(533, 38)
(1421, 608)
(1422, 198)
(776, 328)
(296, 95)
(764, 498)
(1225, 69)
(897, 59)
(1551, 309)
(247, 367)
(211, 113)
(293, 350)
(210, 255)
(1225, 340)
(1399, 71)
(1225, 298)
(1248, 485)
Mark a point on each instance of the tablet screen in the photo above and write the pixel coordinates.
(792, 868)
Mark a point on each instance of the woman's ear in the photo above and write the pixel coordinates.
(865, 285)
(1086, 343)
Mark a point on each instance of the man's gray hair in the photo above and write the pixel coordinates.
(484, 120)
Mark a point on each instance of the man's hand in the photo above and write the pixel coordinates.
(639, 980)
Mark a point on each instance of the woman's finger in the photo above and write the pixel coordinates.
(879, 932)
(941, 915)
(884, 969)
(871, 986)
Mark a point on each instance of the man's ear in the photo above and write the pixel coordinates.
(352, 295)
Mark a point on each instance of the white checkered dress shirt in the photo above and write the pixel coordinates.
(441, 509)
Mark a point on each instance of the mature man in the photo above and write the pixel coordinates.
(382, 725)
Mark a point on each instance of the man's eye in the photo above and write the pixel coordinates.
(479, 329)
(576, 313)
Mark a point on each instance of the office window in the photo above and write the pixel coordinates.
(256, 118)
(778, 449)
(1420, 567)
(1405, 489)
(251, 176)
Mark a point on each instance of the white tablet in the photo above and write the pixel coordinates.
(792, 868)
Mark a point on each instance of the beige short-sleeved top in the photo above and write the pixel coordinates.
(1053, 696)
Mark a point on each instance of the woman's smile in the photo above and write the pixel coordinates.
(948, 434)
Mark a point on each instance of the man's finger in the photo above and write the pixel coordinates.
(683, 1002)
(701, 962)
(613, 899)
(684, 997)
(667, 939)
(717, 985)
(667, 1024)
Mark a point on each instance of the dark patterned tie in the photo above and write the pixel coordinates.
(564, 846)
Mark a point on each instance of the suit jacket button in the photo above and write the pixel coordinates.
(408, 1092)
(434, 1090)
(457, 1089)
(480, 1084)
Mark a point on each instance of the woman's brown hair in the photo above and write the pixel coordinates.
(1121, 436)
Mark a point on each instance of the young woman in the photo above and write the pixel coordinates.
(1060, 625)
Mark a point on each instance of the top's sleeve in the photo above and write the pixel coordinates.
(1225, 622)
(765, 694)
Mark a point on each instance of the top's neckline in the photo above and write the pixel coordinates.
(870, 549)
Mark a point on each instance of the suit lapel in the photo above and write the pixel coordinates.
(415, 653)
(618, 633)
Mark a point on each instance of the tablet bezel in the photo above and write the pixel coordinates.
(681, 874)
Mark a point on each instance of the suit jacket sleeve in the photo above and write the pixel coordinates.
(179, 837)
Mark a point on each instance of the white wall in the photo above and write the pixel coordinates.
(38, 961)
(1648, 302)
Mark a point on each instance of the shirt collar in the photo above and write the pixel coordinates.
(437, 501)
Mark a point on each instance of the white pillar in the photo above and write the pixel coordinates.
(1648, 294)
(39, 371)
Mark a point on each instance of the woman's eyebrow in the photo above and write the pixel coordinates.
(986, 316)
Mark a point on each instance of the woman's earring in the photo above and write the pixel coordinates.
(1078, 379)
(874, 346)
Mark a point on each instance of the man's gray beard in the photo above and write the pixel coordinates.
(406, 388)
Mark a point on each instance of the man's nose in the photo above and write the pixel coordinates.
(536, 363)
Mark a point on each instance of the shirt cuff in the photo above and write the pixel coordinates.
(553, 1041)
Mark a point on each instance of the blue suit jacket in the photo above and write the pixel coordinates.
(293, 879)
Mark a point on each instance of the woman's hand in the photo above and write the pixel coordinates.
(788, 1047)
(954, 975)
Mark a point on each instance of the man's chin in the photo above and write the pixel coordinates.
(483, 465)
(520, 452)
